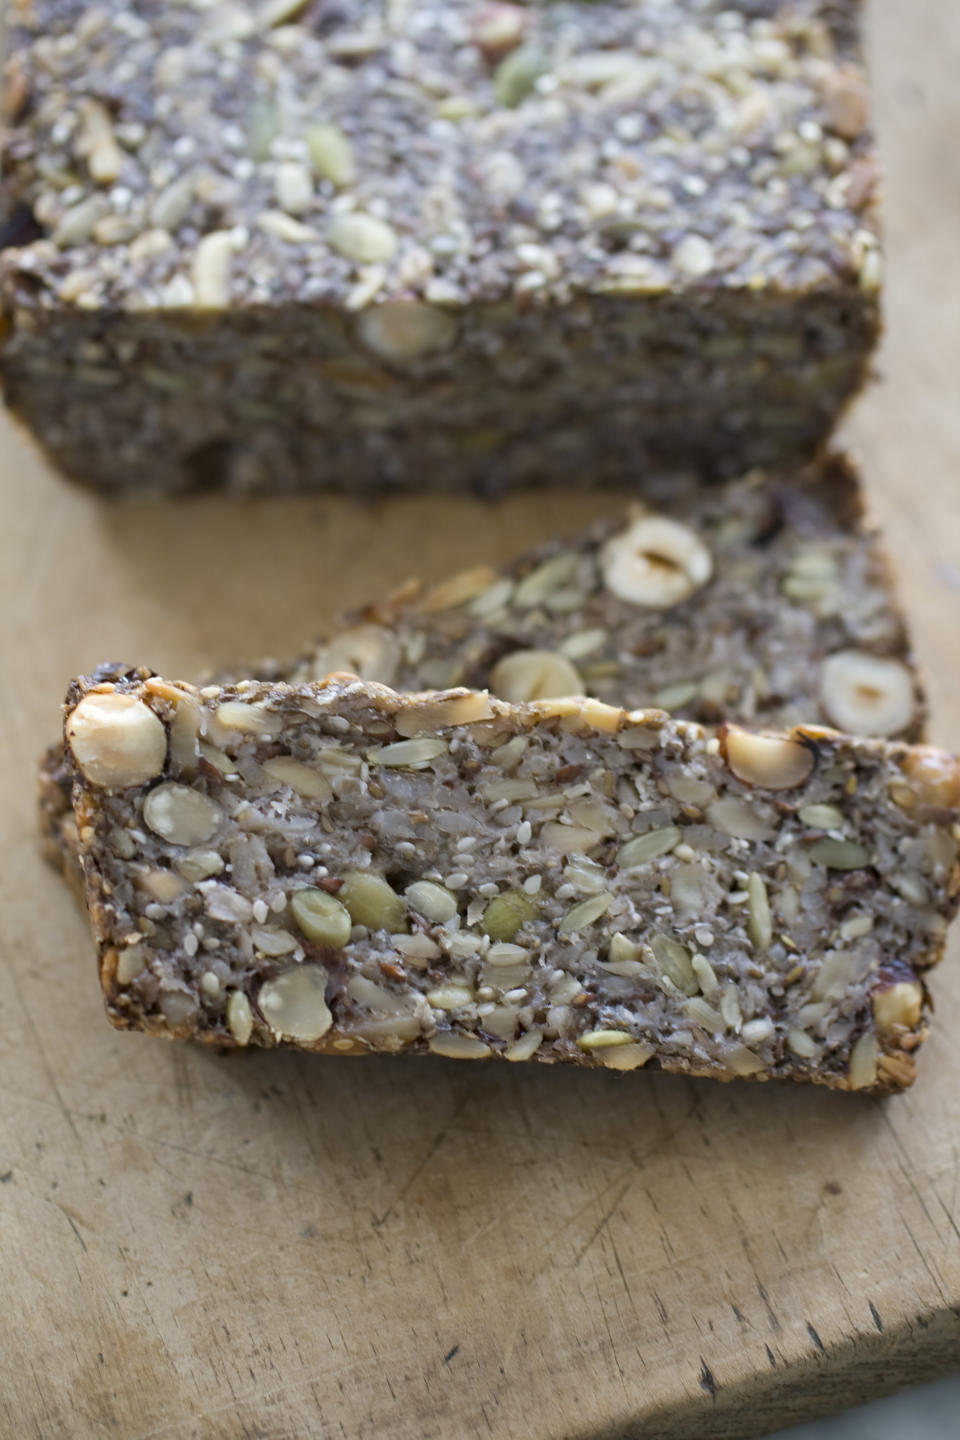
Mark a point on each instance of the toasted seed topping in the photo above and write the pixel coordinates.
(505, 914)
(863, 1062)
(526, 1047)
(802, 1044)
(294, 1004)
(307, 781)
(644, 848)
(130, 963)
(212, 265)
(321, 917)
(449, 997)
(761, 922)
(332, 154)
(582, 915)
(839, 854)
(518, 74)
(239, 1017)
(247, 719)
(433, 902)
(603, 1039)
(362, 238)
(625, 1057)
(822, 817)
(371, 901)
(459, 1047)
(410, 754)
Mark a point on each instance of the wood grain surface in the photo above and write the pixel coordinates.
(272, 1246)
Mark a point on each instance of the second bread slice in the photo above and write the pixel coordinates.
(768, 601)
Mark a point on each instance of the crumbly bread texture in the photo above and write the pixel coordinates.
(274, 245)
(341, 868)
(769, 602)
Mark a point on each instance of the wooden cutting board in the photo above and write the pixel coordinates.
(269, 1245)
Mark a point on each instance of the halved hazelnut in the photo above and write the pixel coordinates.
(400, 331)
(367, 651)
(534, 675)
(899, 1004)
(657, 562)
(773, 762)
(867, 694)
(116, 740)
(933, 777)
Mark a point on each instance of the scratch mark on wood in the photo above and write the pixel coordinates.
(593, 1200)
(207, 1159)
(45, 1063)
(619, 1264)
(517, 1340)
(906, 1168)
(903, 1165)
(378, 1220)
(663, 1142)
(951, 1221)
(613, 1343)
(815, 1338)
(771, 1357)
(771, 1313)
(604, 1221)
(707, 1381)
(661, 1308)
(73, 1226)
(876, 1316)
(923, 1260)
(840, 1280)
(183, 1088)
(739, 1314)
